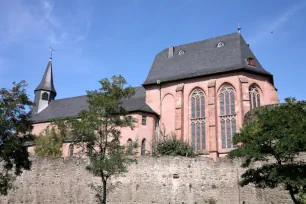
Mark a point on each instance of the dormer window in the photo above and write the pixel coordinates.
(251, 61)
(181, 52)
(220, 44)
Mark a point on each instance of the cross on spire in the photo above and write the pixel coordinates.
(52, 50)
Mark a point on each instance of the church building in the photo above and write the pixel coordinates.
(198, 92)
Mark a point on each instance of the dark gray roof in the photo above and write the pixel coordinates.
(70, 107)
(47, 80)
(204, 58)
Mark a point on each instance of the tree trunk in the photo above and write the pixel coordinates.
(295, 201)
(104, 192)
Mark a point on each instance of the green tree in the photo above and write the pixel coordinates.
(49, 143)
(15, 129)
(98, 130)
(275, 136)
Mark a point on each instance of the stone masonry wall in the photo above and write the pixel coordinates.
(161, 181)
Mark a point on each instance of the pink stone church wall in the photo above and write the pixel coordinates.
(211, 87)
(139, 133)
(174, 98)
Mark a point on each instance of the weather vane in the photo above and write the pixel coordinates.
(239, 28)
(52, 50)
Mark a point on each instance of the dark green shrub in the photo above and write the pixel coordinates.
(170, 146)
(302, 195)
(210, 201)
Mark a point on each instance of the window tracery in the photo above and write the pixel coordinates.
(254, 97)
(227, 115)
(197, 120)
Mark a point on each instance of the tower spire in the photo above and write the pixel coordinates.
(45, 91)
(47, 80)
(239, 28)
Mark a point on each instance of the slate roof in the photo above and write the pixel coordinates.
(70, 107)
(204, 58)
(47, 80)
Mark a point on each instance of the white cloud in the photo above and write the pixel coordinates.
(21, 21)
(277, 23)
(47, 5)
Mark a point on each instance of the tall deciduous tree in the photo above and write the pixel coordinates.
(276, 137)
(98, 131)
(49, 143)
(15, 129)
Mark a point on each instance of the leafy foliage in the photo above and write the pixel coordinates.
(98, 131)
(301, 197)
(171, 146)
(15, 129)
(210, 201)
(49, 143)
(277, 137)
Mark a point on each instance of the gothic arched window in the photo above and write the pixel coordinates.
(143, 147)
(254, 97)
(45, 96)
(227, 115)
(71, 149)
(197, 120)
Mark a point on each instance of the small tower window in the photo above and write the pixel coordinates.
(45, 96)
(181, 52)
(251, 62)
(220, 44)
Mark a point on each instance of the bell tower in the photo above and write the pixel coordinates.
(45, 91)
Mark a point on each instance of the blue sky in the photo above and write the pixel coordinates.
(97, 39)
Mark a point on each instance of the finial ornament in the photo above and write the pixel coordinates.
(239, 28)
(52, 50)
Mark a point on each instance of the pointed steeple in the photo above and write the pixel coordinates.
(46, 83)
(45, 91)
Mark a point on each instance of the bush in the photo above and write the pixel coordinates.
(210, 201)
(302, 195)
(170, 146)
(49, 144)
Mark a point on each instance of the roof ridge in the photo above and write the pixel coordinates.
(211, 38)
(69, 98)
(195, 42)
(86, 95)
